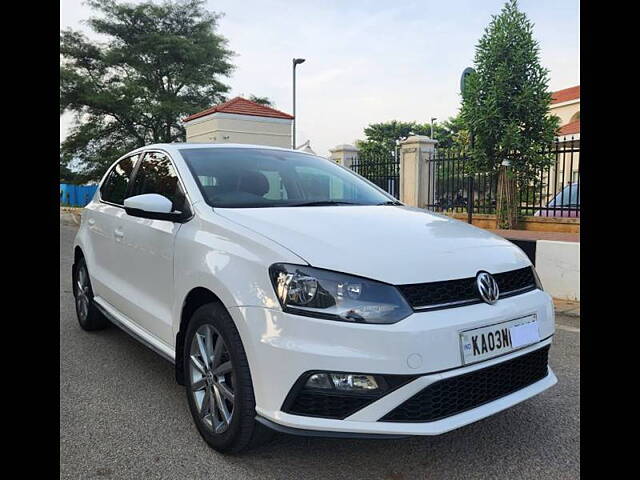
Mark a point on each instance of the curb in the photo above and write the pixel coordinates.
(567, 307)
(70, 215)
(557, 263)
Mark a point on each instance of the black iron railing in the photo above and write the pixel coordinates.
(554, 191)
(381, 169)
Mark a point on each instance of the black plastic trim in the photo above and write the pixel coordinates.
(468, 301)
(324, 433)
(392, 383)
(132, 333)
(385, 417)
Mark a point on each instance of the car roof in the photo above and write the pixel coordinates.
(185, 145)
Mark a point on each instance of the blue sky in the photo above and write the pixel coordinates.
(368, 61)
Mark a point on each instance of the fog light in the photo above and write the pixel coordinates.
(319, 380)
(353, 382)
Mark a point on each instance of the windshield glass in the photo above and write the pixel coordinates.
(251, 177)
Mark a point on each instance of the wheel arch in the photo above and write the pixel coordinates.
(196, 298)
(77, 254)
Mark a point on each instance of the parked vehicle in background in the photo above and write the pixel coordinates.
(565, 204)
(293, 295)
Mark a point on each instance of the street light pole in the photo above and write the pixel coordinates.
(433, 134)
(296, 61)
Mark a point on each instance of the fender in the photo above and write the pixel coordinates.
(214, 253)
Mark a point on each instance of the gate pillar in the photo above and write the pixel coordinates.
(414, 170)
(345, 155)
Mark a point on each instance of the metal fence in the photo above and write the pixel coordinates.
(76, 195)
(554, 192)
(381, 169)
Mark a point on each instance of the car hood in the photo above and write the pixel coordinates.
(394, 244)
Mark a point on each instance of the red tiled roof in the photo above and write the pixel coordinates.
(570, 128)
(565, 95)
(242, 106)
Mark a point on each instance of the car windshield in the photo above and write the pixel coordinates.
(568, 196)
(253, 177)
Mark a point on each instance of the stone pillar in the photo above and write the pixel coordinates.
(344, 155)
(414, 169)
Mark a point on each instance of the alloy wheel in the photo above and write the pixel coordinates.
(211, 378)
(82, 293)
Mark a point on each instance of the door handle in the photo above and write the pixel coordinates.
(118, 233)
(91, 222)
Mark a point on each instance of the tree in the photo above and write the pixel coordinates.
(159, 63)
(381, 137)
(452, 133)
(262, 100)
(505, 106)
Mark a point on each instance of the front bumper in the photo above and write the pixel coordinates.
(280, 347)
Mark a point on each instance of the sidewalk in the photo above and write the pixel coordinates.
(70, 215)
(569, 308)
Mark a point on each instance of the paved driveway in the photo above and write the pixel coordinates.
(123, 416)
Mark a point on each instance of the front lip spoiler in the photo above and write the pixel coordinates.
(326, 434)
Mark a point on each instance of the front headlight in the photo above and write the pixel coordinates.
(336, 296)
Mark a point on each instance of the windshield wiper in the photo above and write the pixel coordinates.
(320, 203)
(390, 202)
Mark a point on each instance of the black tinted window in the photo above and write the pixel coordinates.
(157, 175)
(115, 185)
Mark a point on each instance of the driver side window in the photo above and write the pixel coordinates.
(157, 175)
(114, 187)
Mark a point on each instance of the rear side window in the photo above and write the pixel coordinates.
(157, 175)
(114, 188)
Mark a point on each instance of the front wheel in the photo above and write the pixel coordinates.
(218, 382)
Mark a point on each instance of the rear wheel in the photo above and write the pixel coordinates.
(218, 382)
(89, 317)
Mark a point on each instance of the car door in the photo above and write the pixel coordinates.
(100, 216)
(145, 249)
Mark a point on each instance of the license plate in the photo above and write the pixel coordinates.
(487, 342)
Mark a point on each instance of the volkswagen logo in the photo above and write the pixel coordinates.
(487, 287)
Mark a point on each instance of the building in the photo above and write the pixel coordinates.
(240, 121)
(566, 105)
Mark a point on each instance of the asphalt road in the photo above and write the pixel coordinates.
(123, 416)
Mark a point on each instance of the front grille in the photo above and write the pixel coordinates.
(451, 293)
(457, 394)
(320, 404)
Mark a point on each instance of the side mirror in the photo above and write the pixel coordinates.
(153, 206)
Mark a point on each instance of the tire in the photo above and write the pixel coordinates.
(89, 317)
(223, 385)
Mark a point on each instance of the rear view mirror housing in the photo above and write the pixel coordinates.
(154, 207)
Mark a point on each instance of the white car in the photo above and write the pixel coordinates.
(293, 295)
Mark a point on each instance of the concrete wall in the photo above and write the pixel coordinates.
(234, 128)
(558, 265)
(529, 222)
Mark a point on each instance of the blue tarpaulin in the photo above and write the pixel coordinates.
(76, 195)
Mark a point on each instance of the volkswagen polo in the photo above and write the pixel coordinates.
(293, 295)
